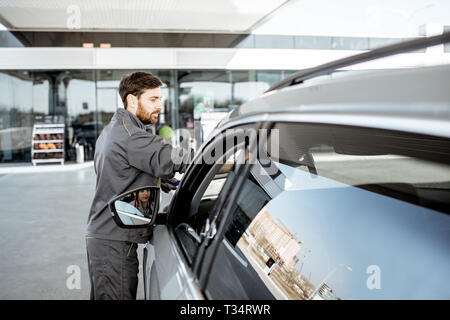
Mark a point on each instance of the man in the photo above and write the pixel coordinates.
(126, 157)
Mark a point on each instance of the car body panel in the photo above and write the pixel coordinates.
(166, 269)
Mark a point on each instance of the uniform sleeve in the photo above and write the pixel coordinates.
(151, 154)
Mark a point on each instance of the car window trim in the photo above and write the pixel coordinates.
(192, 179)
(198, 260)
(229, 203)
(198, 194)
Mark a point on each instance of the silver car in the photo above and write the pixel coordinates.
(333, 187)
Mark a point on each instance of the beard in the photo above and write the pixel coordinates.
(146, 117)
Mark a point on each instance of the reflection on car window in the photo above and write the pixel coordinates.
(347, 213)
(219, 179)
(408, 167)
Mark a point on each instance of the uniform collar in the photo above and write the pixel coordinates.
(134, 120)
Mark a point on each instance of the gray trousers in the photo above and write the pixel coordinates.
(113, 269)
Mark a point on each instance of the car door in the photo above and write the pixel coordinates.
(341, 212)
(172, 258)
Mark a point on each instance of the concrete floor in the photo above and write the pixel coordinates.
(42, 225)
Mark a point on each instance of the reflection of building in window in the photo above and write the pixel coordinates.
(272, 250)
(285, 247)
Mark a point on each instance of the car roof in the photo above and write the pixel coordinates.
(424, 91)
(413, 100)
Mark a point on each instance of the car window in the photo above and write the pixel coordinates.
(340, 213)
(241, 280)
(199, 203)
(189, 231)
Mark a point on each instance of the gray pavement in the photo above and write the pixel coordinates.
(42, 225)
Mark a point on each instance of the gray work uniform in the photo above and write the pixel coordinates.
(126, 157)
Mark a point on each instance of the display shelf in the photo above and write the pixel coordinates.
(47, 134)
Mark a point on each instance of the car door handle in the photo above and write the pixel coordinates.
(190, 231)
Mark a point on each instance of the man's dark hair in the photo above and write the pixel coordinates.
(136, 83)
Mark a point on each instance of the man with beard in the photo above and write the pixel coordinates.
(126, 157)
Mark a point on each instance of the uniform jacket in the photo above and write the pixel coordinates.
(128, 157)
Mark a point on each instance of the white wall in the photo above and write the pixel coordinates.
(157, 58)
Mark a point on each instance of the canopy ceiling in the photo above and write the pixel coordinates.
(138, 15)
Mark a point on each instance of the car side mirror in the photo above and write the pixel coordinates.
(136, 208)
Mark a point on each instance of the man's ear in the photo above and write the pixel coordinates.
(131, 101)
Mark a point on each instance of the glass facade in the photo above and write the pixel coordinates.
(17, 101)
(87, 100)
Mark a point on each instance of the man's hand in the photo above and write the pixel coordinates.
(169, 185)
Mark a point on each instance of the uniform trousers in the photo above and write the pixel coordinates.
(113, 269)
